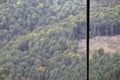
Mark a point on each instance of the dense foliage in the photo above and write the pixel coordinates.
(105, 67)
(39, 39)
(104, 21)
(105, 17)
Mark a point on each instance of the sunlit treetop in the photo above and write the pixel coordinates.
(19, 3)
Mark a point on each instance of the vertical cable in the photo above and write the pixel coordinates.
(88, 28)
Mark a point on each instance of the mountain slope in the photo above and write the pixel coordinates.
(39, 40)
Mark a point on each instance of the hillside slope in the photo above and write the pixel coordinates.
(40, 39)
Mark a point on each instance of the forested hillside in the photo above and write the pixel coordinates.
(39, 39)
(104, 40)
(105, 17)
(104, 43)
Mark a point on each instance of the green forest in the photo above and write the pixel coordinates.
(39, 39)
